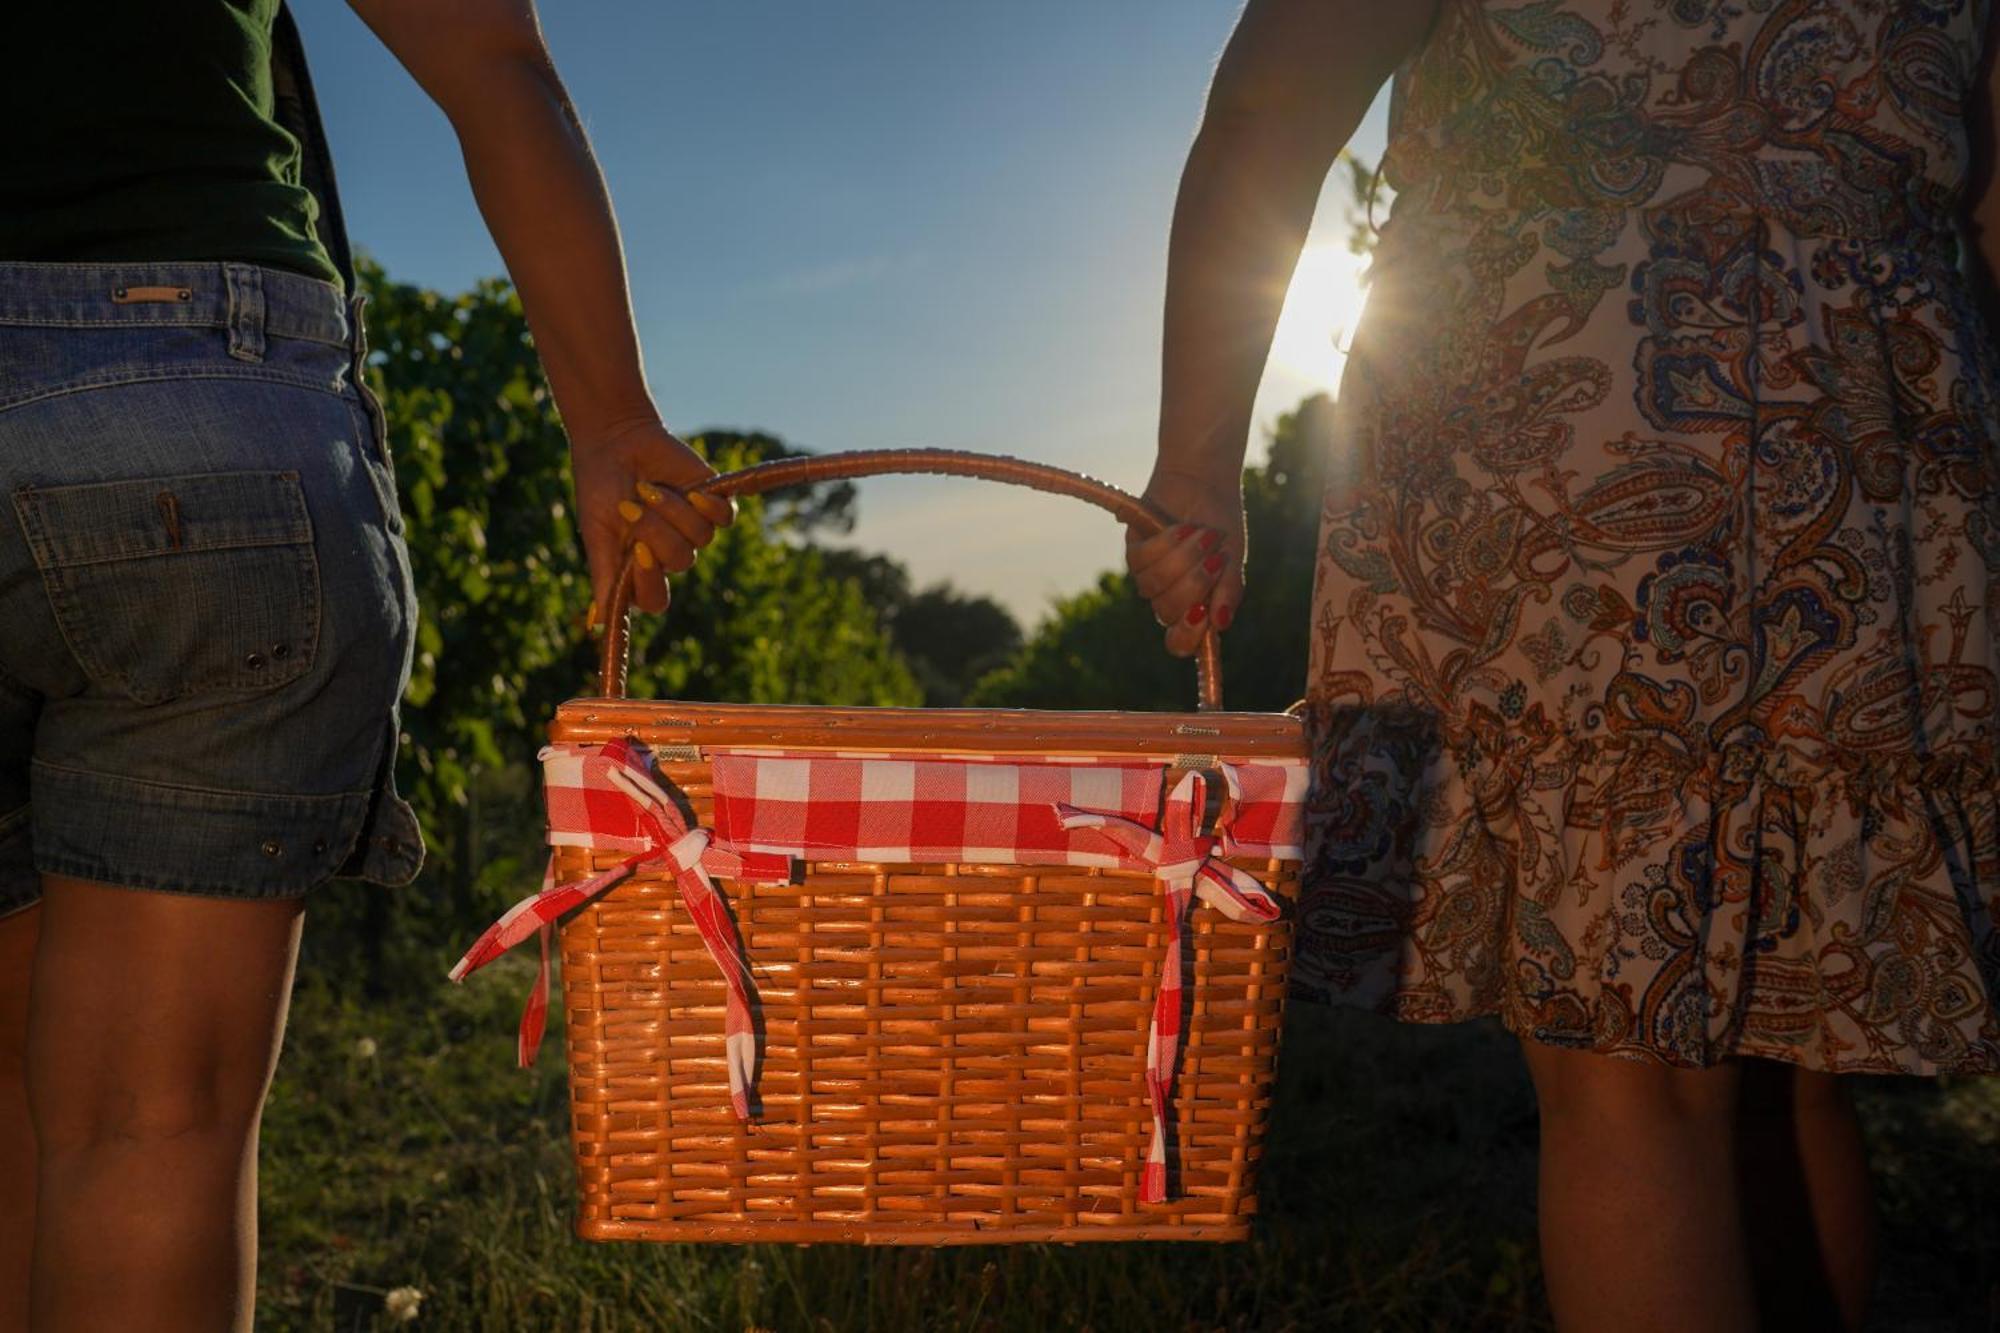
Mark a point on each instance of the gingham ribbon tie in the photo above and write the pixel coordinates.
(1187, 868)
(654, 822)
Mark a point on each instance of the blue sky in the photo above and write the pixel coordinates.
(866, 224)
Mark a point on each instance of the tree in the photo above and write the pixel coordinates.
(950, 640)
(803, 511)
(482, 465)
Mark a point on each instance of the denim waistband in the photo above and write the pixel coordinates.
(252, 301)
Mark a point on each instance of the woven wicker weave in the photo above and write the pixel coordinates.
(948, 1053)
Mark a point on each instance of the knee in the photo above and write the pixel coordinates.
(120, 1119)
(1579, 1090)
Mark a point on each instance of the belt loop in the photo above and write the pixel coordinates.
(246, 311)
(357, 332)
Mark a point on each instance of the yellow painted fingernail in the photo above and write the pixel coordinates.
(630, 512)
(590, 617)
(644, 555)
(650, 493)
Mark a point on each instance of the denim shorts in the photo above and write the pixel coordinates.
(206, 610)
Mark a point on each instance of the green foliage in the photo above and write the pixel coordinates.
(482, 464)
(1102, 649)
(802, 511)
(1097, 649)
(951, 640)
(402, 1148)
(882, 580)
(948, 639)
(759, 620)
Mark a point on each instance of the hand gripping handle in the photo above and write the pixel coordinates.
(1143, 517)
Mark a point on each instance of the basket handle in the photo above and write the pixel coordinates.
(1143, 516)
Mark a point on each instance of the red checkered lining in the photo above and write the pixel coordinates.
(774, 805)
(607, 798)
(905, 808)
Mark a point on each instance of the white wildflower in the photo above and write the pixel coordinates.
(402, 1304)
(365, 1048)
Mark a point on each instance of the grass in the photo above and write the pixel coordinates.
(403, 1148)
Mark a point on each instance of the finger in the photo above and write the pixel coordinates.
(1145, 552)
(650, 592)
(1194, 589)
(1171, 567)
(1228, 596)
(1186, 634)
(665, 545)
(675, 509)
(1166, 536)
(717, 509)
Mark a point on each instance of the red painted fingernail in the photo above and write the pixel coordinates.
(1196, 615)
(1223, 615)
(1213, 564)
(1208, 541)
(1183, 532)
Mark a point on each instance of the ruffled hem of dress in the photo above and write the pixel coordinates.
(1829, 908)
(1981, 1061)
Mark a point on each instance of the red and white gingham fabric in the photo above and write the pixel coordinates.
(824, 807)
(1267, 809)
(771, 806)
(605, 798)
(893, 808)
(1187, 869)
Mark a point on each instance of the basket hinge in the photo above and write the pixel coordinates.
(678, 754)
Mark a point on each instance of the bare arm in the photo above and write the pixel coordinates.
(1291, 86)
(539, 188)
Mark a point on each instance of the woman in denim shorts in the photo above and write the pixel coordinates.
(206, 609)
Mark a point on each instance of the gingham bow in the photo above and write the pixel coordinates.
(605, 797)
(1187, 869)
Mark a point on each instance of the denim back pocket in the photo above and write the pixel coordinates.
(169, 585)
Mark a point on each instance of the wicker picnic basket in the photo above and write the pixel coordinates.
(942, 1051)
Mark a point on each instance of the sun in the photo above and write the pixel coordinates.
(1322, 306)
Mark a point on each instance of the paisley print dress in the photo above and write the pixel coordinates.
(1653, 682)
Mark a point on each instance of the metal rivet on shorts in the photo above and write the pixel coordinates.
(281, 650)
(319, 846)
(184, 294)
(117, 293)
(255, 661)
(272, 847)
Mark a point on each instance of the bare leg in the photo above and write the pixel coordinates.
(155, 1025)
(1808, 1202)
(1641, 1229)
(17, 1132)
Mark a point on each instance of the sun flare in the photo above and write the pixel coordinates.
(1322, 306)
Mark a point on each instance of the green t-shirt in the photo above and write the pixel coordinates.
(145, 130)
